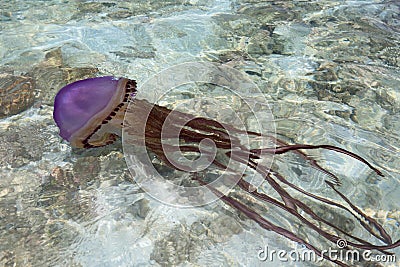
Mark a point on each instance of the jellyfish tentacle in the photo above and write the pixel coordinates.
(282, 193)
(332, 203)
(333, 238)
(284, 149)
(246, 186)
(313, 162)
(264, 223)
(293, 202)
(267, 173)
(224, 143)
(385, 236)
(366, 245)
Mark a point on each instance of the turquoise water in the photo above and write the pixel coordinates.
(329, 71)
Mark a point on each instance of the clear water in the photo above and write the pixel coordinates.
(329, 69)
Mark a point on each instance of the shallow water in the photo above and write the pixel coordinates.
(329, 71)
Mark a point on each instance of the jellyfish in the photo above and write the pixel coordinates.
(90, 113)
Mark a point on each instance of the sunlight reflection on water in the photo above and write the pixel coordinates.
(331, 75)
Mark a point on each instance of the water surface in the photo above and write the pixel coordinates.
(329, 69)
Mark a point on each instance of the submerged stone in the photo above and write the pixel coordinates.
(16, 94)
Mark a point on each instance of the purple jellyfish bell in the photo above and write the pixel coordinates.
(90, 112)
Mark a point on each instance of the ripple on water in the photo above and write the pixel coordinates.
(330, 67)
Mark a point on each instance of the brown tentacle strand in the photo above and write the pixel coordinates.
(313, 162)
(284, 149)
(385, 236)
(294, 202)
(247, 187)
(332, 203)
(192, 130)
(253, 215)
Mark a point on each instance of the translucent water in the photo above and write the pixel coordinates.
(328, 69)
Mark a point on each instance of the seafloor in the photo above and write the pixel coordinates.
(329, 69)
